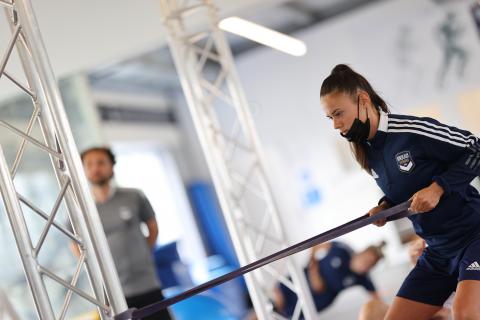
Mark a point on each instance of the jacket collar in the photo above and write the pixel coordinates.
(379, 139)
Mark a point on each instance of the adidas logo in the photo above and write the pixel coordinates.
(474, 267)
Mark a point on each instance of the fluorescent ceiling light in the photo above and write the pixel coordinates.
(263, 35)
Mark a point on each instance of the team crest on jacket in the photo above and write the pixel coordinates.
(404, 161)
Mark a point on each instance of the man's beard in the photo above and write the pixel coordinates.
(102, 181)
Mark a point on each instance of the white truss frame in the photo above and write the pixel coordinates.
(48, 113)
(223, 122)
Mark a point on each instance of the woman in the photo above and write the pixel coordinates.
(333, 268)
(432, 165)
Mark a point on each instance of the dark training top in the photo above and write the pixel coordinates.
(407, 154)
(334, 269)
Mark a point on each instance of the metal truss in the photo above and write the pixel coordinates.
(223, 122)
(56, 141)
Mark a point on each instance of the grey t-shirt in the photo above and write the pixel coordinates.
(121, 216)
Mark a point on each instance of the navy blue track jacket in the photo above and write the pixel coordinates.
(407, 154)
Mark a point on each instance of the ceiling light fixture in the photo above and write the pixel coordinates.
(263, 35)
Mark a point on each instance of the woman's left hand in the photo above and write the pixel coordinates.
(426, 199)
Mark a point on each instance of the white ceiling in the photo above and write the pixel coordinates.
(154, 72)
(82, 35)
(87, 35)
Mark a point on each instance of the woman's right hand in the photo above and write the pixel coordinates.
(377, 209)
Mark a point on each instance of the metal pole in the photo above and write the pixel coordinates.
(59, 145)
(47, 129)
(241, 104)
(195, 52)
(24, 243)
(67, 145)
(192, 93)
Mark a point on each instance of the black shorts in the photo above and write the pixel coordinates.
(143, 300)
(433, 279)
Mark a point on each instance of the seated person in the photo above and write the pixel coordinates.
(376, 309)
(333, 267)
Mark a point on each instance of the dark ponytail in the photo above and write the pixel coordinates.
(344, 79)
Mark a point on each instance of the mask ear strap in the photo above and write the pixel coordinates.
(358, 107)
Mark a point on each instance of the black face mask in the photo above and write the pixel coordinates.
(359, 130)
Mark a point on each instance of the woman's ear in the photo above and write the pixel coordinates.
(364, 98)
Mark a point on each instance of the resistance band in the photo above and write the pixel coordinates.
(393, 213)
